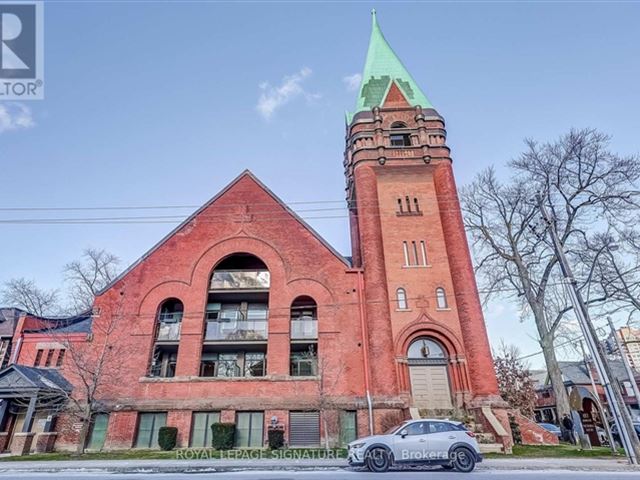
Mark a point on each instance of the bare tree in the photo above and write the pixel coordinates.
(586, 187)
(88, 275)
(615, 260)
(328, 377)
(94, 367)
(25, 295)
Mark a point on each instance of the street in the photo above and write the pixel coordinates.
(335, 474)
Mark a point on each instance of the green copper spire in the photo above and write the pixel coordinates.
(382, 67)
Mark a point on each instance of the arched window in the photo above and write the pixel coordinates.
(236, 318)
(399, 139)
(426, 348)
(304, 318)
(441, 298)
(304, 337)
(165, 350)
(401, 298)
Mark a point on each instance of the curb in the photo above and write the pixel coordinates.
(289, 467)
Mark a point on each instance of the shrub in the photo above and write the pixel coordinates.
(167, 437)
(276, 439)
(222, 435)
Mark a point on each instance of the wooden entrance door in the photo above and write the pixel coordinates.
(430, 387)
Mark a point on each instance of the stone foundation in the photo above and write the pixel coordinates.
(4, 441)
(21, 443)
(45, 442)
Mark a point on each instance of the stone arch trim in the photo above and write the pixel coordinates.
(437, 331)
(171, 289)
(322, 295)
(312, 288)
(212, 256)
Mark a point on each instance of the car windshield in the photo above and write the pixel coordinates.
(395, 428)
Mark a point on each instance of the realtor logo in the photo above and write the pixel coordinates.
(21, 50)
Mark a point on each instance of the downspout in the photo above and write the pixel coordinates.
(365, 347)
(15, 348)
(16, 352)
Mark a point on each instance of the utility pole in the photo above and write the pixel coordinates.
(607, 429)
(625, 360)
(620, 413)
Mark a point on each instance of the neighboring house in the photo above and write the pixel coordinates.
(244, 314)
(33, 387)
(582, 396)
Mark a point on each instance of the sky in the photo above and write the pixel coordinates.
(164, 103)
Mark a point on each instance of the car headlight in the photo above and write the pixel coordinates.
(358, 445)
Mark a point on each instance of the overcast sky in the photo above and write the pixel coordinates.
(152, 103)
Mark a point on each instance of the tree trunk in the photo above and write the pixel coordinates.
(325, 426)
(84, 432)
(555, 376)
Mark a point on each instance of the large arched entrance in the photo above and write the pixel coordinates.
(428, 373)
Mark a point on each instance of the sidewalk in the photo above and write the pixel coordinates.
(216, 465)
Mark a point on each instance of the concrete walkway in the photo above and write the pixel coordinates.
(218, 465)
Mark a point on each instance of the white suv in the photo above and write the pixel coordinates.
(418, 442)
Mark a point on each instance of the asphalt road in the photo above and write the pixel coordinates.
(338, 475)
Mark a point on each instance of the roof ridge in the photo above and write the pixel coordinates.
(245, 173)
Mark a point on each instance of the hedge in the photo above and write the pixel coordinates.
(222, 435)
(167, 437)
(276, 439)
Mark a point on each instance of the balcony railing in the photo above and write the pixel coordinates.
(169, 326)
(168, 332)
(304, 328)
(235, 329)
(240, 279)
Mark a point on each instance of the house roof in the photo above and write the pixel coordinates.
(245, 173)
(77, 324)
(576, 373)
(20, 378)
(383, 68)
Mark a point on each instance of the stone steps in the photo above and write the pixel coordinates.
(490, 447)
(486, 440)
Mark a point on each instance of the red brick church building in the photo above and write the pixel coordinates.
(245, 314)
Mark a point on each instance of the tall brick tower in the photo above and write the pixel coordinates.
(428, 343)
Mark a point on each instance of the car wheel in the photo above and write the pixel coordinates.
(378, 460)
(463, 460)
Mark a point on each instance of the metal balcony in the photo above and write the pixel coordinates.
(240, 280)
(169, 326)
(233, 327)
(304, 328)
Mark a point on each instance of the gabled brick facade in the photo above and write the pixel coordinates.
(400, 329)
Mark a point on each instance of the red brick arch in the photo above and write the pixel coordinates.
(266, 252)
(437, 331)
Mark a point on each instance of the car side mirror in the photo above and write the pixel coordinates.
(404, 432)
